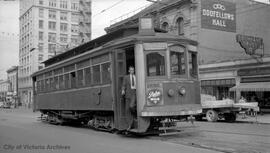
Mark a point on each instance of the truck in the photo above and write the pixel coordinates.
(227, 109)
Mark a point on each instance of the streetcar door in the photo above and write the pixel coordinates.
(121, 107)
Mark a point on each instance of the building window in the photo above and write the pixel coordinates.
(75, 6)
(74, 39)
(40, 57)
(52, 25)
(40, 35)
(75, 17)
(63, 27)
(52, 14)
(180, 26)
(52, 3)
(74, 28)
(177, 59)
(40, 2)
(52, 37)
(155, 64)
(52, 48)
(40, 47)
(41, 24)
(63, 38)
(63, 4)
(165, 26)
(63, 16)
(41, 13)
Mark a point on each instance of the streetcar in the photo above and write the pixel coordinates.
(83, 84)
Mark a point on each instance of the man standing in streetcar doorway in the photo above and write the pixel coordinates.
(129, 91)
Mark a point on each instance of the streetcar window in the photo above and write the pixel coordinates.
(106, 77)
(38, 86)
(42, 86)
(80, 78)
(177, 63)
(96, 74)
(177, 59)
(56, 83)
(73, 79)
(66, 77)
(87, 72)
(61, 82)
(51, 84)
(155, 64)
(192, 64)
(47, 84)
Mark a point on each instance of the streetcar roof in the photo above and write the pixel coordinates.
(121, 36)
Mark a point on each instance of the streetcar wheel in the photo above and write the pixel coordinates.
(230, 117)
(211, 116)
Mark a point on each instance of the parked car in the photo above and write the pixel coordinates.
(7, 105)
(1, 104)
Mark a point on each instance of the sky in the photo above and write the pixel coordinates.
(103, 11)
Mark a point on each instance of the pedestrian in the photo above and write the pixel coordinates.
(129, 91)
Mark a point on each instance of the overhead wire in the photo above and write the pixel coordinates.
(104, 10)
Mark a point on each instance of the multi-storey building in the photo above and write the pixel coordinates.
(47, 28)
(233, 38)
(12, 76)
(4, 88)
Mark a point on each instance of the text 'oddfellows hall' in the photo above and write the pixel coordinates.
(233, 41)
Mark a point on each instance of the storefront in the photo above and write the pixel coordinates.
(255, 86)
(248, 78)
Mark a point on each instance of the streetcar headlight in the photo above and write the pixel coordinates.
(170, 92)
(182, 91)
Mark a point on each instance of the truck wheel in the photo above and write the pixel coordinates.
(211, 116)
(230, 117)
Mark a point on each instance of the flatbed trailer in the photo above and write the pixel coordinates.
(225, 109)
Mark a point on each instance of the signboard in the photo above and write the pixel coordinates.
(218, 15)
(250, 44)
(154, 96)
(146, 26)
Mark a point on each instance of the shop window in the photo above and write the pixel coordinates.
(87, 72)
(106, 77)
(177, 60)
(96, 74)
(80, 78)
(73, 79)
(192, 64)
(155, 64)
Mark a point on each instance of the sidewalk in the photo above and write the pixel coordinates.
(265, 118)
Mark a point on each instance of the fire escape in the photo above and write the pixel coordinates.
(85, 20)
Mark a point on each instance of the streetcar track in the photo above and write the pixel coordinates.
(226, 132)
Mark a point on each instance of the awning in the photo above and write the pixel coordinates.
(255, 86)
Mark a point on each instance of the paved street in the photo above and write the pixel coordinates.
(20, 128)
(240, 137)
(20, 132)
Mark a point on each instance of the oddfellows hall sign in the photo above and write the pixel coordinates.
(218, 15)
